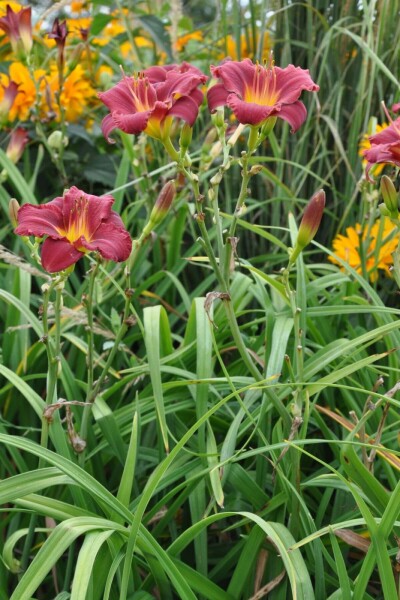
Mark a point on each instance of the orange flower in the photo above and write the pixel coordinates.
(77, 92)
(26, 96)
(183, 40)
(372, 246)
(247, 46)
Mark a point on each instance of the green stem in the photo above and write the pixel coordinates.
(90, 341)
(232, 229)
(53, 361)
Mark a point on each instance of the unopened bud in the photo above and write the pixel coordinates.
(13, 208)
(186, 137)
(389, 196)
(18, 140)
(255, 169)
(310, 223)
(163, 203)
(218, 118)
(57, 140)
(267, 128)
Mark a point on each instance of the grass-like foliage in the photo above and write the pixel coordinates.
(199, 331)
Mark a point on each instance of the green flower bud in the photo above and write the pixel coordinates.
(13, 208)
(57, 140)
(389, 196)
(186, 137)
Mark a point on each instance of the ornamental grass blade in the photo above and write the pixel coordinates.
(157, 333)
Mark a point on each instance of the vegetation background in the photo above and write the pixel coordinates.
(204, 476)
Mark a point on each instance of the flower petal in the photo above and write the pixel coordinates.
(113, 243)
(389, 135)
(59, 254)
(107, 126)
(291, 81)
(249, 113)
(185, 108)
(41, 219)
(85, 210)
(119, 97)
(235, 75)
(216, 96)
(134, 123)
(295, 114)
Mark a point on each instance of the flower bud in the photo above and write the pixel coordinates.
(57, 140)
(218, 118)
(309, 225)
(389, 196)
(267, 127)
(18, 140)
(185, 137)
(163, 203)
(13, 208)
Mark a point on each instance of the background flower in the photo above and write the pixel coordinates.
(379, 242)
(255, 92)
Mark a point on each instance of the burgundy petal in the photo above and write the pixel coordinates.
(185, 108)
(181, 84)
(81, 209)
(113, 243)
(41, 219)
(119, 97)
(107, 126)
(249, 113)
(291, 81)
(216, 96)
(236, 76)
(295, 114)
(389, 135)
(131, 123)
(59, 254)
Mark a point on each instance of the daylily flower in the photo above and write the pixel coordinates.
(385, 147)
(256, 92)
(136, 104)
(75, 224)
(157, 74)
(18, 140)
(18, 27)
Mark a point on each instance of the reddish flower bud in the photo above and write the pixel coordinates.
(310, 222)
(18, 27)
(8, 96)
(389, 196)
(18, 140)
(163, 203)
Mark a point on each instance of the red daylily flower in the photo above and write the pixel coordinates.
(75, 224)
(385, 147)
(18, 27)
(157, 74)
(149, 104)
(255, 92)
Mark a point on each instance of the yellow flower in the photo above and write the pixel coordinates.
(77, 6)
(247, 46)
(26, 96)
(77, 92)
(183, 40)
(365, 145)
(372, 246)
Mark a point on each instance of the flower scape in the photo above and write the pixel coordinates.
(199, 279)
